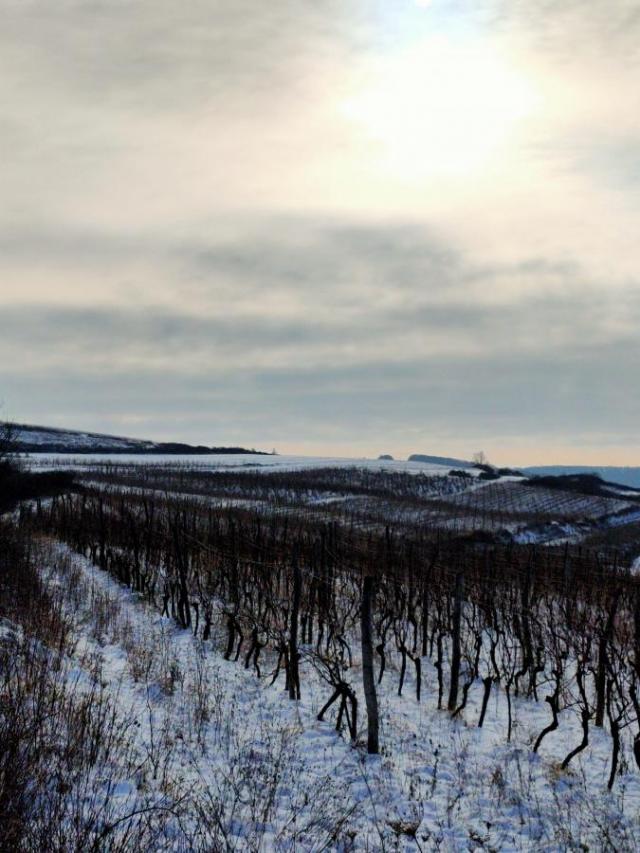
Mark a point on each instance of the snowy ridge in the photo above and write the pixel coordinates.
(30, 437)
(37, 439)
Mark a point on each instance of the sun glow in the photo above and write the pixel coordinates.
(439, 108)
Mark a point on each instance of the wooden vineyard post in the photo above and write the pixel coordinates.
(294, 670)
(368, 679)
(455, 648)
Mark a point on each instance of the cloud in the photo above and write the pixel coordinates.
(196, 230)
(571, 27)
(447, 403)
(380, 340)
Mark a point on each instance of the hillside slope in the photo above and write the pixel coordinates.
(624, 476)
(39, 439)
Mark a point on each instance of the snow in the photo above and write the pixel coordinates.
(245, 462)
(628, 517)
(554, 532)
(271, 777)
(78, 440)
(511, 506)
(251, 770)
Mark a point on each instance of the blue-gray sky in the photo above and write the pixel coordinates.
(345, 227)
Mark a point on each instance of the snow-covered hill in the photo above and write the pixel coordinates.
(450, 461)
(624, 476)
(39, 439)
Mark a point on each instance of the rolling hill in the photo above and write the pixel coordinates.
(39, 439)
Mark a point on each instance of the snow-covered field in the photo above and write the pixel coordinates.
(516, 498)
(244, 462)
(509, 506)
(230, 763)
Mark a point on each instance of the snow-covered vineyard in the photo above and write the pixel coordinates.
(368, 493)
(185, 654)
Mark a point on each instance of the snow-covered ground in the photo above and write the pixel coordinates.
(244, 462)
(82, 441)
(244, 768)
(509, 506)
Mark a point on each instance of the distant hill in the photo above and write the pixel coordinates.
(585, 484)
(623, 476)
(441, 460)
(39, 439)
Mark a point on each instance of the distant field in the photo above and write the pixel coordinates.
(213, 462)
(519, 499)
(366, 492)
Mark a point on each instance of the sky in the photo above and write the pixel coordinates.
(341, 227)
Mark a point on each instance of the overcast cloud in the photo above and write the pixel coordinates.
(338, 227)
